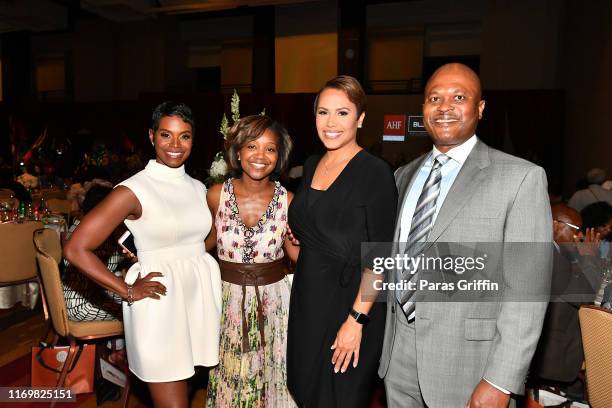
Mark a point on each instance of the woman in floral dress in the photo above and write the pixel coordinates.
(251, 236)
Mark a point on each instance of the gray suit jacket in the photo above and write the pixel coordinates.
(495, 198)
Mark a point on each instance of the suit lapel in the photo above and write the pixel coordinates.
(467, 181)
(404, 184)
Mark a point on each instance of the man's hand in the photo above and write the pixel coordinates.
(486, 395)
(588, 244)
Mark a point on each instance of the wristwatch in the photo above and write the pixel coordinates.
(130, 295)
(360, 318)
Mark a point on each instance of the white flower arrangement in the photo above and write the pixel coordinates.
(219, 167)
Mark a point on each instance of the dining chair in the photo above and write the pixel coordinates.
(59, 206)
(18, 260)
(48, 255)
(596, 326)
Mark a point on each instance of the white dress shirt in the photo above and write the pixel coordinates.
(449, 173)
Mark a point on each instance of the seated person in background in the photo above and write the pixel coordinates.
(84, 179)
(576, 277)
(85, 299)
(49, 178)
(606, 301)
(593, 193)
(598, 216)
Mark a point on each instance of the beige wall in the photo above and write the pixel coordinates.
(454, 39)
(521, 44)
(306, 46)
(394, 56)
(120, 61)
(141, 58)
(50, 75)
(586, 65)
(95, 61)
(305, 62)
(237, 65)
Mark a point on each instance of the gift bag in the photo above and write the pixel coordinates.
(47, 364)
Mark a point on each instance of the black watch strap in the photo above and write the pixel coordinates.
(360, 318)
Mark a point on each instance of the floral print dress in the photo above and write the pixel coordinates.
(256, 378)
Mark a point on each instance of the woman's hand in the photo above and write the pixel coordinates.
(145, 287)
(346, 345)
(292, 237)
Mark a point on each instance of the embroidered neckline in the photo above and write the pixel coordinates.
(264, 217)
(249, 232)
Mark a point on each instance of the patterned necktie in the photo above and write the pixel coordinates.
(422, 223)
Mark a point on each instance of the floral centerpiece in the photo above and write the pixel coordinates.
(28, 181)
(219, 170)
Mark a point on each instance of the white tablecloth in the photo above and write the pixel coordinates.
(26, 293)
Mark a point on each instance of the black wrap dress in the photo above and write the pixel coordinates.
(359, 206)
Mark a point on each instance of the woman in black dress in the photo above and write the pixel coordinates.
(347, 197)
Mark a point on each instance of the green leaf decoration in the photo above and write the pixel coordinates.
(235, 107)
(224, 128)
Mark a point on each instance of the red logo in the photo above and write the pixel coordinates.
(394, 127)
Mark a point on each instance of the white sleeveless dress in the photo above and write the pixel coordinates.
(166, 338)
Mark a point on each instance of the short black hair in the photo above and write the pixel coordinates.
(596, 214)
(170, 108)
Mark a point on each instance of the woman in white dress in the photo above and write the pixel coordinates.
(172, 296)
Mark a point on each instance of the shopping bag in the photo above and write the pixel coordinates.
(539, 398)
(47, 364)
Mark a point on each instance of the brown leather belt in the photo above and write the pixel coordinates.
(255, 274)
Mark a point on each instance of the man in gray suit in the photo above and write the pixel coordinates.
(458, 354)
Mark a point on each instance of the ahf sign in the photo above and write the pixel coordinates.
(394, 129)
